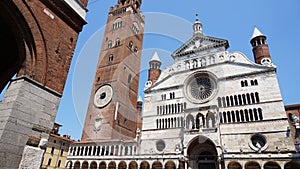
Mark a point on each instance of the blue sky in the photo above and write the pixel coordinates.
(168, 25)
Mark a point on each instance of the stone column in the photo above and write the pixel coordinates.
(25, 106)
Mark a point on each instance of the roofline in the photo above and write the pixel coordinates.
(292, 106)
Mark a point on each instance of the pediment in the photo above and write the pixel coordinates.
(199, 43)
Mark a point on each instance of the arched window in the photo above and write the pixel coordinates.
(242, 83)
(110, 58)
(255, 114)
(117, 24)
(257, 97)
(135, 50)
(109, 44)
(166, 123)
(260, 114)
(252, 98)
(229, 117)
(224, 117)
(118, 42)
(237, 116)
(251, 115)
(242, 115)
(135, 28)
(244, 99)
(246, 83)
(236, 103)
(227, 101)
(231, 101)
(246, 115)
(160, 123)
(233, 116)
(255, 82)
(240, 100)
(224, 102)
(175, 123)
(130, 44)
(248, 98)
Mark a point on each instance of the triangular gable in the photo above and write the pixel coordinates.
(199, 43)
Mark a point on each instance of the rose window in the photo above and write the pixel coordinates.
(200, 87)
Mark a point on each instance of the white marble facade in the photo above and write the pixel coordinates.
(211, 109)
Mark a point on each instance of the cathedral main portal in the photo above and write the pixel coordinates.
(202, 154)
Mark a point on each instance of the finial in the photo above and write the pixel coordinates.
(197, 17)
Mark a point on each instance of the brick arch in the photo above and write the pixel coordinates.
(16, 41)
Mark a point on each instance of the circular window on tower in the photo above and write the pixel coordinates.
(160, 145)
(200, 87)
(258, 142)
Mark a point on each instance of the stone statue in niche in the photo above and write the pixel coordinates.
(210, 123)
(190, 124)
(296, 121)
(200, 122)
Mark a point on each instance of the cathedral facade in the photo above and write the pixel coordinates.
(211, 109)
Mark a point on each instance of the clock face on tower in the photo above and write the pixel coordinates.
(103, 96)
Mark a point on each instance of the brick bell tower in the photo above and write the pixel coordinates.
(112, 110)
(154, 71)
(260, 48)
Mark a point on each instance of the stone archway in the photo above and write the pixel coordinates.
(122, 165)
(202, 154)
(170, 165)
(272, 165)
(93, 165)
(112, 165)
(292, 164)
(144, 165)
(234, 165)
(133, 165)
(77, 165)
(252, 165)
(85, 165)
(102, 165)
(157, 165)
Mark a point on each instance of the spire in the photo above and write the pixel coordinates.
(256, 33)
(155, 57)
(197, 26)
